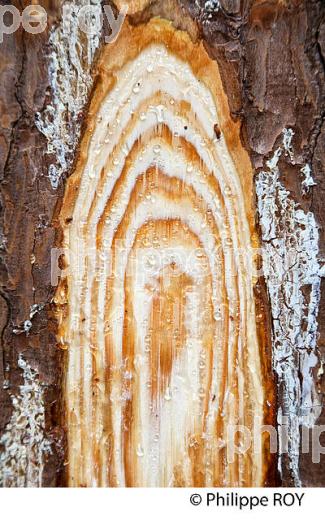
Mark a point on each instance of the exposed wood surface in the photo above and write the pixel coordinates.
(160, 321)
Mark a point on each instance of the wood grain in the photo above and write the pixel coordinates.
(157, 311)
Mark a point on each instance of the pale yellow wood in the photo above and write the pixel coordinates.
(163, 345)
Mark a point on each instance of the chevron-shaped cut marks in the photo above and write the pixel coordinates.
(164, 351)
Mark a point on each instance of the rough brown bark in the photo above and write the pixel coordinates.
(271, 57)
(28, 203)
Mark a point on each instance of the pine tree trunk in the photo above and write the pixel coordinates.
(225, 103)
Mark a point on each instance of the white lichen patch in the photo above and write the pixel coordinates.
(23, 443)
(292, 272)
(288, 134)
(212, 6)
(70, 62)
(26, 326)
(308, 180)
